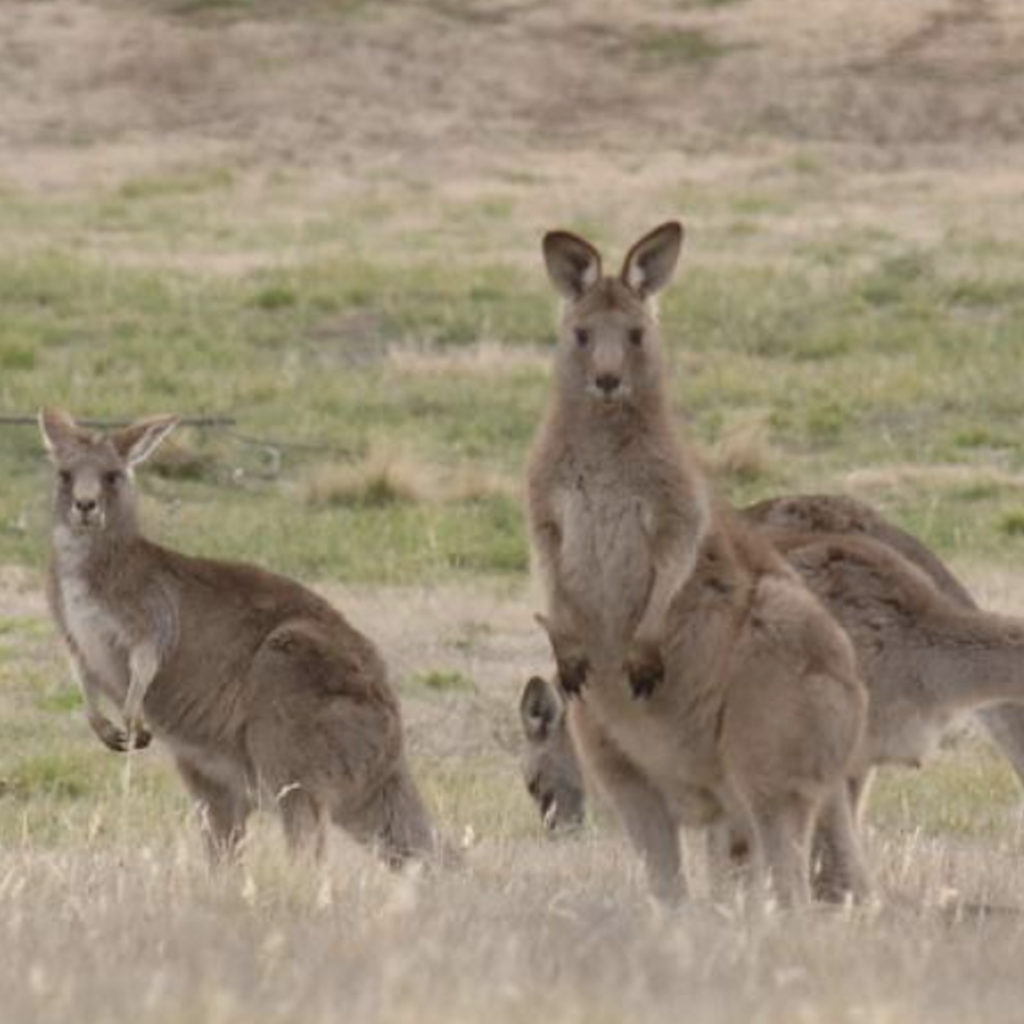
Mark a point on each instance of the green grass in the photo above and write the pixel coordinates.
(486, 794)
(966, 791)
(848, 367)
(688, 47)
(175, 342)
(444, 681)
(184, 182)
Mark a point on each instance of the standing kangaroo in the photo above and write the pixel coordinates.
(710, 682)
(263, 692)
(926, 652)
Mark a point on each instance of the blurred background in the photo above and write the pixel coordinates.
(322, 220)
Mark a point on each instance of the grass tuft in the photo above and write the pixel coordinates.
(445, 681)
(1012, 524)
(743, 454)
(275, 297)
(59, 776)
(673, 47)
(383, 478)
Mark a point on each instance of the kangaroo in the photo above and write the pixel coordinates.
(263, 692)
(927, 654)
(928, 658)
(839, 514)
(710, 682)
(827, 513)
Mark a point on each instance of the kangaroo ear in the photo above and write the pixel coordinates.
(540, 709)
(59, 430)
(649, 265)
(574, 265)
(137, 442)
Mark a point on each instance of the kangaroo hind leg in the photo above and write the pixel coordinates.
(840, 871)
(225, 810)
(782, 828)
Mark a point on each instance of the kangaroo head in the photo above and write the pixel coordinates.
(93, 470)
(609, 349)
(550, 768)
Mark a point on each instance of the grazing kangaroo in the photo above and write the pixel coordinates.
(927, 654)
(550, 770)
(710, 682)
(263, 692)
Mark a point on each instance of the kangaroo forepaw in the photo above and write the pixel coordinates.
(645, 670)
(120, 741)
(572, 675)
(570, 659)
(142, 737)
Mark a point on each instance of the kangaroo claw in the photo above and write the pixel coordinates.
(645, 671)
(120, 741)
(572, 675)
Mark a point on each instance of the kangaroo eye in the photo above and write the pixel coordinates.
(636, 336)
(534, 787)
(582, 336)
(65, 477)
(112, 478)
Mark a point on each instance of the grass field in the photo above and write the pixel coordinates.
(322, 220)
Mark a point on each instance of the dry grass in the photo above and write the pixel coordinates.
(529, 930)
(107, 913)
(387, 475)
(894, 477)
(484, 360)
(744, 452)
(382, 478)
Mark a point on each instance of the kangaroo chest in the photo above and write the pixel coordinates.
(100, 641)
(605, 562)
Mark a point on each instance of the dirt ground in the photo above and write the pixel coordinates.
(549, 99)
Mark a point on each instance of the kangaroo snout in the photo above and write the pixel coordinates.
(608, 383)
(86, 512)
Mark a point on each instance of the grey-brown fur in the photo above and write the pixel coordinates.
(722, 686)
(843, 515)
(929, 659)
(927, 654)
(839, 514)
(263, 692)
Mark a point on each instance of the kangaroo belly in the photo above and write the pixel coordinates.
(99, 640)
(674, 750)
(605, 561)
(225, 766)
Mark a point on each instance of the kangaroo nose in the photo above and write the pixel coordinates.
(607, 382)
(85, 504)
